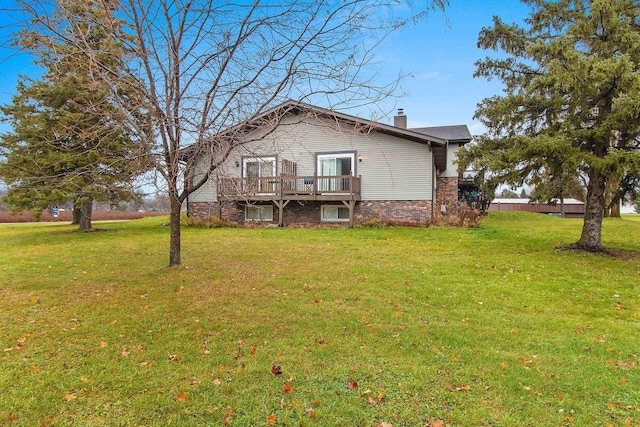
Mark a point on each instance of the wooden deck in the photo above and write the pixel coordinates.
(284, 188)
(322, 188)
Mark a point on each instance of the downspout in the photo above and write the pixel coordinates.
(433, 182)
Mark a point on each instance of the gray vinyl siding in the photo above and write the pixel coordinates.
(452, 166)
(391, 168)
(206, 193)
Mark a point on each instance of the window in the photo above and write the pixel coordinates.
(258, 213)
(335, 213)
(258, 171)
(338, 164)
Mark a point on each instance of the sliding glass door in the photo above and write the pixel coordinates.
(335, 165)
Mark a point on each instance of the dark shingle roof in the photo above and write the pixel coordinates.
(455, 133)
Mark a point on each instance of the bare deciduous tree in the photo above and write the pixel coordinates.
(205, 67)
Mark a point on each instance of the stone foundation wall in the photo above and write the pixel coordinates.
(229, 211)
(232, 211)
(447, 194)
(202, 210)
(405, 212)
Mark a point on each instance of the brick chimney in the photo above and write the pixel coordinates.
(400, 121)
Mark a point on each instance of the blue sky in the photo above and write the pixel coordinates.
(439, 54)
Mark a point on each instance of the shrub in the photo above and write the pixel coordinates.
(373, 223)
(211, 222)
(460, 216)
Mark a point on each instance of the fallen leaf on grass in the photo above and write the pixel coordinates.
(146, 363)
(276, 370)
(217, 382)
(287, 388)
(435, 423)
(103, 344)
(460, 388)
(352, 385)
(253, 350)
(69, 397)
(174, 357)
(125, 352)
(182, 397)
(271, 419)
(384, 424)
(311, 412)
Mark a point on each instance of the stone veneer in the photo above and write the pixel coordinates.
(447, 194)
(405, 212)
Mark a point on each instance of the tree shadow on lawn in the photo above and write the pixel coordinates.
(621, 254)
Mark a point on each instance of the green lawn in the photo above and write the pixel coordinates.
(407, 326)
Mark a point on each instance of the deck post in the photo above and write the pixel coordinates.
(351, 204)
(281, 205)
(315, 184)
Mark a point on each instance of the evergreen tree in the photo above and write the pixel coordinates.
(571, 103)
(68, 140)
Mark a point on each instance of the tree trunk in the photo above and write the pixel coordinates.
(77, 213)
(86, 209)
(562, 212)
(174, 225)
(614, 208)
(591, 238)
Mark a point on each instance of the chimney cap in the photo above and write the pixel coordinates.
(401, 111)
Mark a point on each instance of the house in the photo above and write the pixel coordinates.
(573, 208)
(299, 163)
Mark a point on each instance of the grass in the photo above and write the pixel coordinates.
(408, 326)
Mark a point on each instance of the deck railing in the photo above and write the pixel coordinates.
(285, 186)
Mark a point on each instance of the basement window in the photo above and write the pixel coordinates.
(258, 213)
(334, 213)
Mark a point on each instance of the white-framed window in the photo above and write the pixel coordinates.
(335, 164)
(258, 167)
(334, 213)
(258, 172)
(258, 213)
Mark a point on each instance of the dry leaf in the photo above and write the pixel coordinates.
(174, 357)
(125, 352)
(103, 344)
(217, 382)
(276, 370)
(69, 397)
(271, 419)
(352, 385)
(372, 401)
(253, 350)
(182, 396)
(287, 388)
(436, 423)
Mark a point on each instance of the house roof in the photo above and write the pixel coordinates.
(455, 133)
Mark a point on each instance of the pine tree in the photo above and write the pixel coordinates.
(68, 140)
(571, 102)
